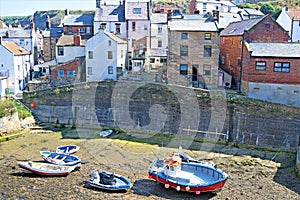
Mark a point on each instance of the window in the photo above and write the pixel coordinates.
(81, 30)
(115, 11)
(118, 28)
(145, 27)
(159, 29)
(133, 26)
(207, 36)
(60, 73)
(122, 53)
(109, 42)
(184, 36)
(163, 60)
(223, 60)
(103, 26)
(260, 65)
(267, 25)
(110, 70)
(184, 50)
(70, 73)
(110, 55)
(152, 60)
(90, 54)
(207, 51)
(159, 43)
(69, 30)
(137, 10)
(204, 5)
(133, 43)
(60, 51)
(22, 42)
(206, 70)
(90, 71)
(183, 69)
(88, 30)
(282, 67)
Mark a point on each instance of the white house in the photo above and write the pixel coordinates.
(205, 6)
(290, 21)
(68, 47)
(105, 56)
(111, 18)
(14, 67)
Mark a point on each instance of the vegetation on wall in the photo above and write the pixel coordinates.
(8, 107)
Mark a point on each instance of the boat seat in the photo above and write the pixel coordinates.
(108, 179)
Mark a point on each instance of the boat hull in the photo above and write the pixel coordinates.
(60, 158)
(67, 149)
(60, 171)
(195, 177)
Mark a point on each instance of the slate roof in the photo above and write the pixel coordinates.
(55, 32)
(68, 40)
(226, 18)
(16, 32)
(14, 48)
(116, 38)
(278, 50)
(252, 11)
(79, 20)
(238, 28)
(111, 13)
(192, 25)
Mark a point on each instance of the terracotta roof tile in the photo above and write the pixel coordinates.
(294, 14)
(14, 48)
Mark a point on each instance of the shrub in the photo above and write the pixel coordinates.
(7, 108)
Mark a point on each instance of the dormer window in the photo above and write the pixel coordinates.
(137, 11)
(115, 12)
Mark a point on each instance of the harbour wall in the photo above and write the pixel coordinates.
(169, 109)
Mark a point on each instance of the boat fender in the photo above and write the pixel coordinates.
(178, 188)
(167, 185)
(187, 188)
(197, 192)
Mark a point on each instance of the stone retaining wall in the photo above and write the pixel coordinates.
(163, 108)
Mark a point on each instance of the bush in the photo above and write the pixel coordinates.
(22, 111)
(7, 108)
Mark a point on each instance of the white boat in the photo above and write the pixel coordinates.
(67, 149)
(46, 169)
(60, 158)
(105, 133)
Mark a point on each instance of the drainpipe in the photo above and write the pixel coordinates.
(292, 26)
(241, 66)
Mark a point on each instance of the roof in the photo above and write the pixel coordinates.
(158, 18)
(294, 14)
(14, 48)
(115, 13)
(2, 24)
(53, 32)
(16, 32)
(238, 28)
(283, 50)
(68, 40)
(252, 11)
(116, 38)
(79, 20)
(226, 18)
(192, 25)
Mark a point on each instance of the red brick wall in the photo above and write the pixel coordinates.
(267, 30)
(69, 66)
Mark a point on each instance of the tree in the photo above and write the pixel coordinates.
(267, 8)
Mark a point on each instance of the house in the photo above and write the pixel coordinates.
(50, 38)
(193, 52)
(14, 67)
(164, 7)
(68, 72)
(263, 64)
(290, 21)
(111, 18)
(250, 13)
(82, 22)
(105, 56)
(233, 38)
(68, 47)
(205, 6)
(137, 17)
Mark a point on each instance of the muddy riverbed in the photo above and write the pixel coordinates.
(252, 174)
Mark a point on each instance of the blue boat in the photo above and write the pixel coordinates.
(105, 133)
(60, 158)
(108, 181)
(67, 149)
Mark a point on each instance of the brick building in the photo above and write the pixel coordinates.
(263, 64)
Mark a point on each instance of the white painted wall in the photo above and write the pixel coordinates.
(222, 6)
(99, 45)
(70, 53)
(155, 36)
(111, 28)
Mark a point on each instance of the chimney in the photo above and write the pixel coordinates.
(216, 15)
(7, 34)
(48, 22)
(66, 12)
(77, 38)
(31, 24)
